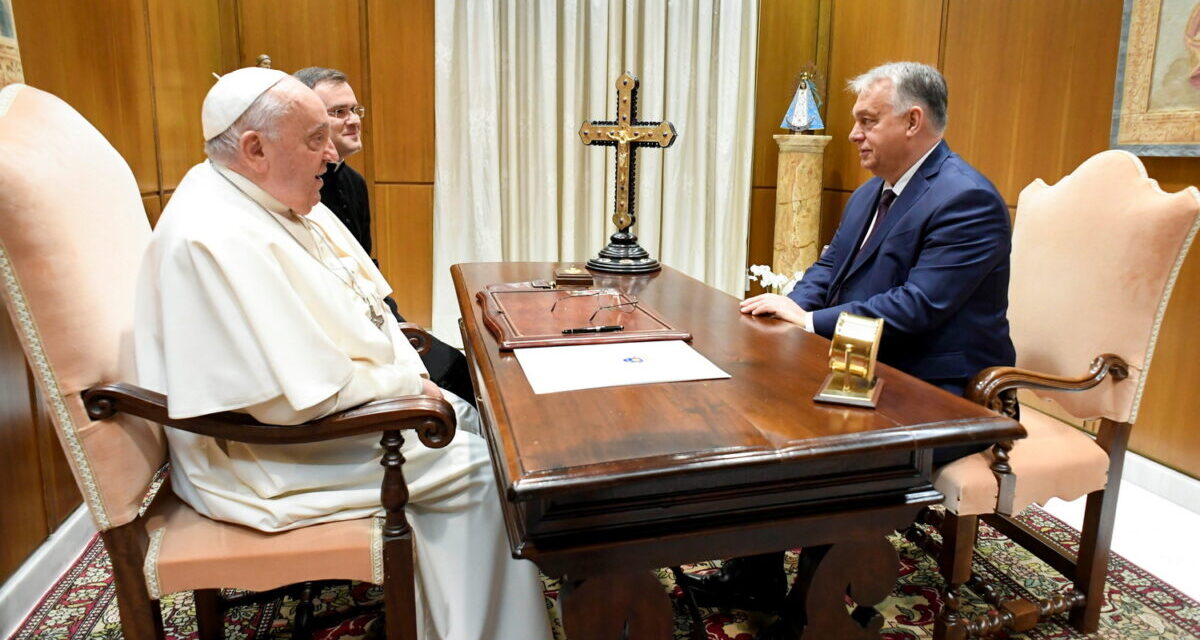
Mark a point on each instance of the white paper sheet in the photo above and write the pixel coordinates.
(589, 366)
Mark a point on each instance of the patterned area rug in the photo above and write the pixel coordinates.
(1140, 606)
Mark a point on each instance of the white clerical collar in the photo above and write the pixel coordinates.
(252, 190)
(912, 171)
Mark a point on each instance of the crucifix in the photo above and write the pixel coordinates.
(626, 133)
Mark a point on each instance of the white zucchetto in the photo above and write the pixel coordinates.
(233, 93)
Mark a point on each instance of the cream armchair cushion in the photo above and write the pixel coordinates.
(1054, 460)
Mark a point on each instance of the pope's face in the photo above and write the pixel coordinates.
(880, 133)
(296, 157)
(345, 131)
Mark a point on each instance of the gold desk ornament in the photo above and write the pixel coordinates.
(852, 355)
(572, 275)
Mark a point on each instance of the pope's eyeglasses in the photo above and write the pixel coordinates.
(623, 302)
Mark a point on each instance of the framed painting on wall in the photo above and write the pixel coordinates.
(1156, 108)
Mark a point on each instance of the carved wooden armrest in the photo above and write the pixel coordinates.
(996, 388)
(432, 418)
(991, 386)
(417, 337)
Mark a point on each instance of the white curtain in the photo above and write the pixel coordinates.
(515, 79)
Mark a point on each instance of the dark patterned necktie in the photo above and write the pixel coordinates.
(885, 203)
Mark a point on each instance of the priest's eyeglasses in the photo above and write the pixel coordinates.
(342, 113)
(621, 302)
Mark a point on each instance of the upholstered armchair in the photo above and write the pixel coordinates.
(72, 236)
(1094, 260)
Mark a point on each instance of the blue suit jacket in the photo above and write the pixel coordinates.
(936, 271)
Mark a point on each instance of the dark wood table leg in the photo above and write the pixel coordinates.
(864, 569)
(616, 606)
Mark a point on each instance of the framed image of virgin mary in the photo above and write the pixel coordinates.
(1156, 108)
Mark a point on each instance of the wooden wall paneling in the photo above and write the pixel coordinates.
(1174, 174)
(154, 206)
(833, 203)
(302, 33)
(305, 33)
(761, 248)
(824, 44)
(1044, 105)
(61, 493)
(185, 50)
(95, 57)
(1166, 426)
(400, 143)
(866, 33)
(23, 518)
(229, 24)
(405, 246)
(401, 53)
(787, 42)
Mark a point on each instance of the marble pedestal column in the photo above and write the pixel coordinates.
(798, 202)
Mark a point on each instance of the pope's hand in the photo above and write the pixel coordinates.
(781, 307)
(428, 388)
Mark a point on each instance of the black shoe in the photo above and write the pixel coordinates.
(754, 583)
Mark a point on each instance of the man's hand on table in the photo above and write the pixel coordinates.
(781, 307)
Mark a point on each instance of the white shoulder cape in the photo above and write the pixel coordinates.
(233, 311)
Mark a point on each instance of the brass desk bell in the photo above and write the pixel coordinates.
(852, 354)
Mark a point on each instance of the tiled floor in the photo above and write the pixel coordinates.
(1152, 532)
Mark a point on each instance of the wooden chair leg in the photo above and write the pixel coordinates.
(210, 619)
(958, 547)
(141, 617)
(399, 592)
(1091, 568)
(1095, 540)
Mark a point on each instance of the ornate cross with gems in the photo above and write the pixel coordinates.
(626, 133)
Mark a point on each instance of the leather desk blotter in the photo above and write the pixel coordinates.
(519, 315)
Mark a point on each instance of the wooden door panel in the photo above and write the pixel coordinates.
(185, 50)
(1044, 106)
(401, 52)
(404, 217)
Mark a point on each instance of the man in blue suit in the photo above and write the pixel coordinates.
(924, 245)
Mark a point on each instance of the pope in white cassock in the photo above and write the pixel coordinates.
(254, 297)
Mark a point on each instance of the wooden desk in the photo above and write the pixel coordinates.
(601, 486)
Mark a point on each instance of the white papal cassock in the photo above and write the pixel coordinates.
(242, 305)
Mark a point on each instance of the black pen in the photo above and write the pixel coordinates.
(602, 329)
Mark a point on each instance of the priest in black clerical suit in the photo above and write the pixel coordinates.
(345, 193)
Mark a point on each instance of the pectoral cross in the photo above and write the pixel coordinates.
(626, 133)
